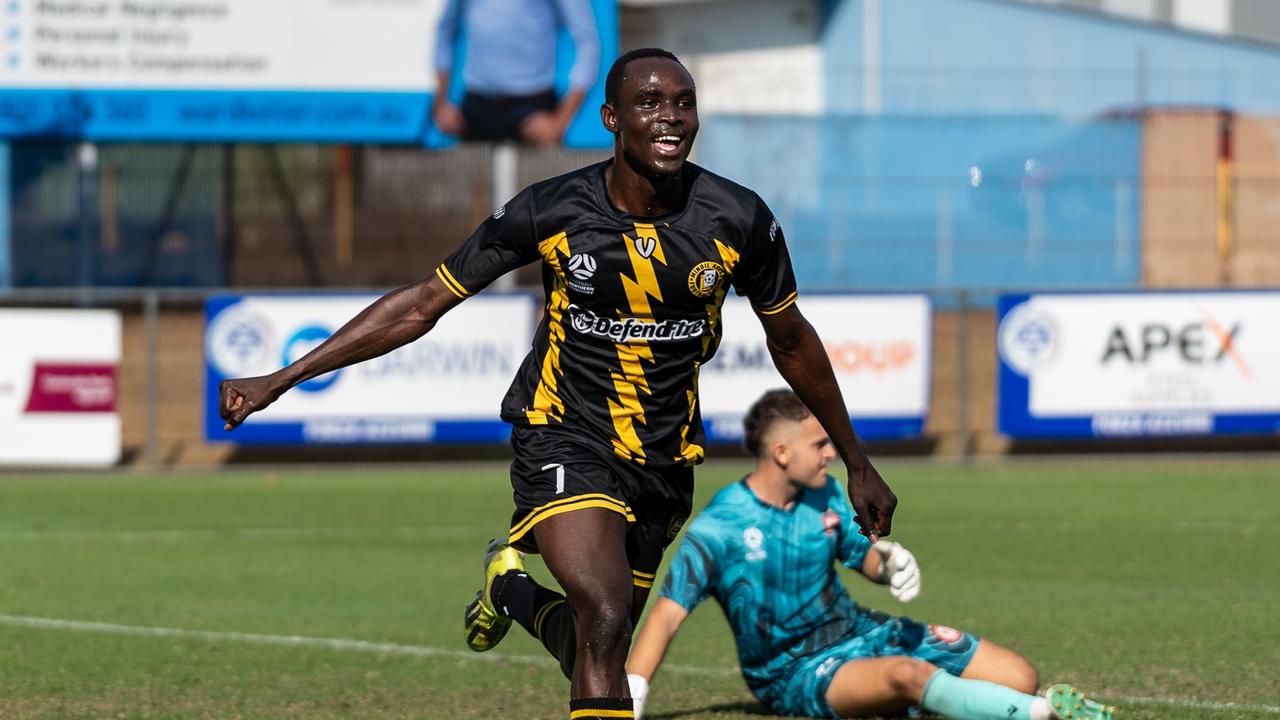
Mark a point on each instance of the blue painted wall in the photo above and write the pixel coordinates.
(944, 202)
(1000, 56)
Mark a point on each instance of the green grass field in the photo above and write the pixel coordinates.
(337, 593)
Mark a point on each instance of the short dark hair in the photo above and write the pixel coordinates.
(772, 407)
(613, 80)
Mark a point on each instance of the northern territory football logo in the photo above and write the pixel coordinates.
(582, 266)
(705, 278)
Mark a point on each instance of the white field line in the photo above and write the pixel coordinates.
(175, 535)
(342, 644)
(186, 534)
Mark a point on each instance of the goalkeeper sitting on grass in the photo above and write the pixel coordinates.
(765, 548)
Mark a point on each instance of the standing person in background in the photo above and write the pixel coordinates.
(510, 68)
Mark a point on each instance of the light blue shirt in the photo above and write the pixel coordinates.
(511, 44)
(772, 572)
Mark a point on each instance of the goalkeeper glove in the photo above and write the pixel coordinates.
(899, 569)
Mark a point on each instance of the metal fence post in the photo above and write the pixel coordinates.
(151, 331)
(505, 178)
(87, 207)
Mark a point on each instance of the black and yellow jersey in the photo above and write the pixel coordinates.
(632, 304)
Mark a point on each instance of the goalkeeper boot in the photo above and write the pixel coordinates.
(1069, 703)
(485, 627)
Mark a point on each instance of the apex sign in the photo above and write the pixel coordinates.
(1196, 343)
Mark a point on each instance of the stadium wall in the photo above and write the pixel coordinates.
(1003, 56)
(1209, 188)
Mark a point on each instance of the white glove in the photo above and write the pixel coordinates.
(900, 570)
(639, 693)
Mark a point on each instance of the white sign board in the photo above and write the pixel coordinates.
(879, 346)
(244, 70)
(58, 387)
(445, 387)
(1168, 363)
(219, 44)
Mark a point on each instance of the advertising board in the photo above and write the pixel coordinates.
(1139, 364)
(58, 387)
(445, 387)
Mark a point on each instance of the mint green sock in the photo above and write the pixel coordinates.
(959, 699)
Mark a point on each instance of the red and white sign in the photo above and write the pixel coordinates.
(58, 387)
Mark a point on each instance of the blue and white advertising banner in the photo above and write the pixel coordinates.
(446, 387)
(237, 70)
(1139, 364)
(879, 347)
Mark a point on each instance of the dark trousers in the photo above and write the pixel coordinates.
(498, 117)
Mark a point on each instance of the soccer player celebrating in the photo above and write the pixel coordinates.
(765, 548)
(637, 253)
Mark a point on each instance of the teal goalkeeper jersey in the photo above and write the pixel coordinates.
(772, 572)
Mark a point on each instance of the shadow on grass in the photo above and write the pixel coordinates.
(745, 708)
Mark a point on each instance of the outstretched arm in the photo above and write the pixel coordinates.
(393, 320)
(650, 646)
(802, 360)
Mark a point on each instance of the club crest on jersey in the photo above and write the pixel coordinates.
(645, 246)
(944, 634)
(830, 522)
(705, 278)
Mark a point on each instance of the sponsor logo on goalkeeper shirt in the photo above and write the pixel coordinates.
(753, 539)
(588, 322)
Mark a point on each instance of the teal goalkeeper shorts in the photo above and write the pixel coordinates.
(802, 690)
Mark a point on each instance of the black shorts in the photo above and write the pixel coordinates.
(498, 117)
(553, 472)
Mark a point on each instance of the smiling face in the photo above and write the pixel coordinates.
(655, 116)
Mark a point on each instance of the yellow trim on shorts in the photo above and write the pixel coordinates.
(569, 504)
(787, 302)
(589, 712)
(450, 282)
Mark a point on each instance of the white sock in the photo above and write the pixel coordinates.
(1040, 709)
